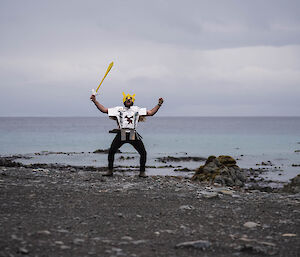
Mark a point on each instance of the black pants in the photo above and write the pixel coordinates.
(117, 143)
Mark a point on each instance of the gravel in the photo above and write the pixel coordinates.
(61, 212)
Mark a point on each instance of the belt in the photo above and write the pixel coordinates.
(132, 133)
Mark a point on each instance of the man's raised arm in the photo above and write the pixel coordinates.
(98, 105)
(156, 107)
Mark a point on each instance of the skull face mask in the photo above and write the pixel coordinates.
(128, 99)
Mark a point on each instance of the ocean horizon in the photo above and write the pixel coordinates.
(251, 140)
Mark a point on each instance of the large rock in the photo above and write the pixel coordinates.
(222, 170)
(8, 163)
(199, 244)
(293, 186)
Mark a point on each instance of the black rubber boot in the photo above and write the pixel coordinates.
(142, 174)
(110, 173)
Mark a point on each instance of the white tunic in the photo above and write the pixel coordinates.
(127, 117)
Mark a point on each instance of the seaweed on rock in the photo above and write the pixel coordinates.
(222, 170)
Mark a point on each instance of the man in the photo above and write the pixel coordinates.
(127, 118)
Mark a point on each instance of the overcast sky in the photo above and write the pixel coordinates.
(205, 58)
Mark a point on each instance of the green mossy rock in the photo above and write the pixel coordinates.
(294, 186)
(222, 170)
(226, 160)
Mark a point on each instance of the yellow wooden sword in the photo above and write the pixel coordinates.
(108, 69)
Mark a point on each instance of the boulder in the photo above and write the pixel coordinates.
(222, 170)
(227, 160)
(8, 163)
(294, 186)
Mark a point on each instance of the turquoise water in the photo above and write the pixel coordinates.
(257, 139)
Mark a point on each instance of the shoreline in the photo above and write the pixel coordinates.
(259, 177)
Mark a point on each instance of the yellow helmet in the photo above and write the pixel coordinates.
(128, 95)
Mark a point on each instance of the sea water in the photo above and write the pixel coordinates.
(251, 140)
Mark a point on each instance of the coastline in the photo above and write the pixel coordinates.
(59, 210)
(262, 175)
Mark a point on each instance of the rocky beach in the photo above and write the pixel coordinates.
(64, 210)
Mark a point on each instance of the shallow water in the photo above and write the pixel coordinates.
(252, 140)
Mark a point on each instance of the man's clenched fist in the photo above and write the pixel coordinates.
(93, 98)
(160, 101)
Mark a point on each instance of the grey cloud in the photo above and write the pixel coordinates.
(197, 24)
(205, 55)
